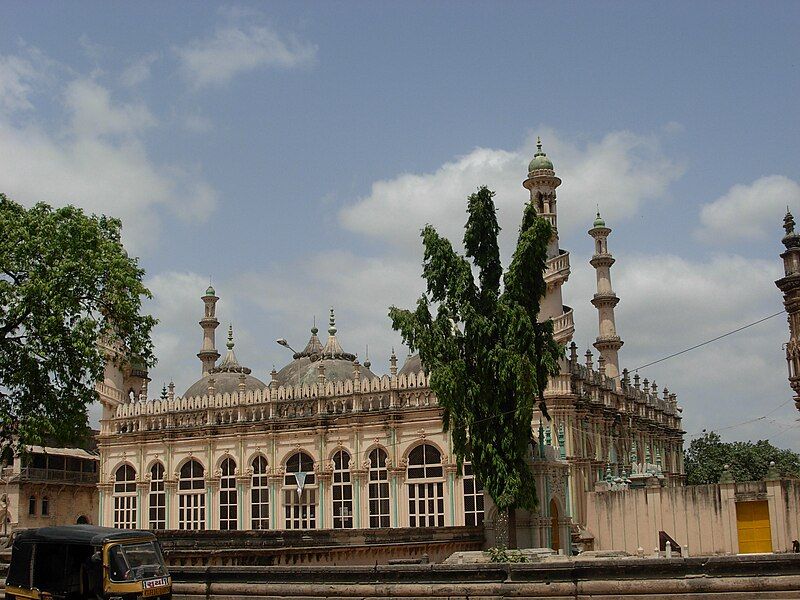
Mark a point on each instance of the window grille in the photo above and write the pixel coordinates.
(378, 489)
(124, 498)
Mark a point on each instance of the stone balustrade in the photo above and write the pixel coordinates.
(274, 402)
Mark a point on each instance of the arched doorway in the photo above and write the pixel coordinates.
(82, 520)
(555, 532)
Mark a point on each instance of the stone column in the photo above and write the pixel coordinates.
(212, 502)
(142, 512)
(171, 503)
(106, 501)
(243, 505)
(397, 477)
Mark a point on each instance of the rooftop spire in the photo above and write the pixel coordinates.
(230, 343)
(332, 323)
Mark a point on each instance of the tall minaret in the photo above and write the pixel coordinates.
(790, 286)
(608, 342)
(208, 355)
(542, 183)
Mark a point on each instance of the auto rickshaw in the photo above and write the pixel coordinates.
(83, 561)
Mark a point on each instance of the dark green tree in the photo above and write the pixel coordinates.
(706, 457)
(65, 282)
(488, 357)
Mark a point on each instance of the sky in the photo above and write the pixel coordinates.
(290, 153)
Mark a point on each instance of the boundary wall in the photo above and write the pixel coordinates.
(729, 577)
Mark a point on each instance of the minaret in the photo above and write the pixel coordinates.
(608, 342)
(208, 355)
(790, 286)
(542, 183)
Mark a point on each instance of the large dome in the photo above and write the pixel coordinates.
(413, 365)
(227, 376)
(339, 365)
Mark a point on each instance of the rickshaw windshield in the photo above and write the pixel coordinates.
(132, 562)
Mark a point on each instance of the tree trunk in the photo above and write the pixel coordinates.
(506, 529)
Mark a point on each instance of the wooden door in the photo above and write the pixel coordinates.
(752, 524)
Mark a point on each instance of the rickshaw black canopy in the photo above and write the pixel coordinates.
(80, 534)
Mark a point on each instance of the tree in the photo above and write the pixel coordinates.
(488, 357)
(65, 282)
(706, 457)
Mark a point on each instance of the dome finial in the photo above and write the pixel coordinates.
(230, 343)
(314, 329)
(367, 362)
(332, 323)
(599, 222)
(540, 160)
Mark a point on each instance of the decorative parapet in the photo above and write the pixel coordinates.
(274, 402)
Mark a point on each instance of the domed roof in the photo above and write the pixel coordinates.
(540, 160)
(599, 222)
(413, 365)
(210, 291)
(226, 376)
(338, 364)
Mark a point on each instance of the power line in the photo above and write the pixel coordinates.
(719, 337)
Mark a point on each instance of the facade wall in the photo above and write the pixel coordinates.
(66, 503)
(320, 438)
(702, 517)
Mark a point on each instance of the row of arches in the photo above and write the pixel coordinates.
(298, 493)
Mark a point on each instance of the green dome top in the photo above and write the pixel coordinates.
(210, 291)
(599, 222)
(540, 160)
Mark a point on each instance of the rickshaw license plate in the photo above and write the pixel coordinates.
(154, 587)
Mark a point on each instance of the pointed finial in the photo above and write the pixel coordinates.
(538, 143)
(332, 323)
(230, 337)
(367, 363)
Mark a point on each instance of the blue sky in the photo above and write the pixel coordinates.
(292, 151)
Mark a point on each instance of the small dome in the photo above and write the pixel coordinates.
(540, 160)
(224, 383)
(210, 291)
(413, 365)
(227, 376)
(599, 222)
(339, 365)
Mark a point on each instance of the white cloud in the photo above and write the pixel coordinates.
(138, 71)
(98, 161)
(235, 49)
(618, 172)
(749, 212)
(16, 77)
(94, 114)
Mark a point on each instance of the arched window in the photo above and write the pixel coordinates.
(227, 496)
(378, 489)
(32, 506)
(157, 498)
(300, 492)
(425, 487)
(45, 506)
(124, 498)
(473, 497)
(192, 496)
(259, 495)
(342, 491)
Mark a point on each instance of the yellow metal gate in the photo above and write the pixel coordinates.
(752, 523)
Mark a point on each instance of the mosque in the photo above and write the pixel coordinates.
(326, 443)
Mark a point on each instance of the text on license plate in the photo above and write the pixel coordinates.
(152, 587)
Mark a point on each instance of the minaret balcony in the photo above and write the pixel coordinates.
(608, 342)
(557, 269)
(564, 326)
(605, 299)
(602, 260)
